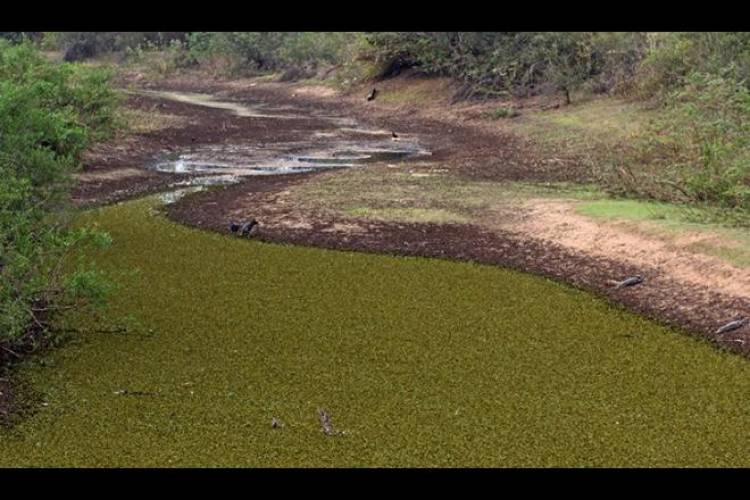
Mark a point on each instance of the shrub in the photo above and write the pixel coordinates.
(518, 62)
(696, 150)
(48, 114)
(673, 57)
(500, 113)
(79, 45)
(267, 51)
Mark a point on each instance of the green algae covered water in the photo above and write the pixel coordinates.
(419, 362)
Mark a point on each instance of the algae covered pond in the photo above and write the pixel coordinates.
(419, 362)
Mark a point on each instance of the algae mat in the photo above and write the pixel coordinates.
(419, 362)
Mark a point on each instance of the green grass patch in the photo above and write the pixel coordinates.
(419, 91)
(503, 112)
(629, 210)
(590, 126)
(422, 362)
(398, 195)
(668, 222)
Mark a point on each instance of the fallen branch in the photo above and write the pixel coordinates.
(10, 351)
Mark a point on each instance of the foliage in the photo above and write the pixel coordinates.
(262, 51)
(518, 62)
(506, 112)
(84, 44)
(697, 149)
(48, 115)
(673, 58)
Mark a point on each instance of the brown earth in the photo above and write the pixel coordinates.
(462, 146)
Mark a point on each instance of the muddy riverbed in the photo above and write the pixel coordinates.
(237, 137)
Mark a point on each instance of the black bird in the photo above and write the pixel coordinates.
(247, 227)
(733, 325)
(372, 94)
(234, 227)
(631, 281)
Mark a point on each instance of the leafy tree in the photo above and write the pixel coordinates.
(48, 114)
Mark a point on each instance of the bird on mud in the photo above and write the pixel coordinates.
(372, 94)
(248, 227)
(394, 135)
(733, 325)
(629, 281)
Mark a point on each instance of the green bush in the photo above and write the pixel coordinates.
(268, 51)
(48, 115)
(673, 57)
(518, 62)
(84, 44)
(696, 150)
(500, 113)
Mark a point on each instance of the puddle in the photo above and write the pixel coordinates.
(255, 110)
(173, 196)
(224, 164)
(209, 180)
(232, 161)
(258, 109)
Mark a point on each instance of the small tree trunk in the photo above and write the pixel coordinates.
(567, 95)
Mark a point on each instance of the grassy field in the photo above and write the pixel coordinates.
(423, 193)
(419, 192)
(421, 362)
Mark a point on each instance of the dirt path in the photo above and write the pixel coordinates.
(557, 221)
(549, 239)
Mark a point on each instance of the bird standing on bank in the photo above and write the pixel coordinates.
(372, 94)
(247, 227)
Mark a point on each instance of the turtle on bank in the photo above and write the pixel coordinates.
(629, 281)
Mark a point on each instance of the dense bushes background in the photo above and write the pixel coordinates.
(48, 114)
(640, 63)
